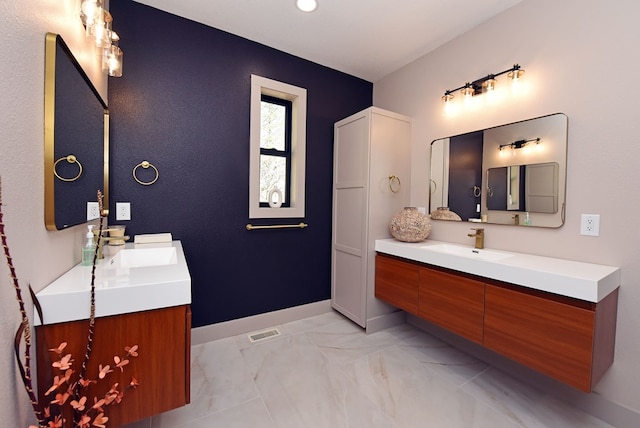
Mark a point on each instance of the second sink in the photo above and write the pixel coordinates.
(470, 252)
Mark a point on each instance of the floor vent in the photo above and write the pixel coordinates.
(262, 335)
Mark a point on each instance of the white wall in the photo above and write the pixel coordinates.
(39, 256)
(581, 59)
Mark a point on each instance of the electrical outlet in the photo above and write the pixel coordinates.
(123, 211)
(590, 224)
(93, 211)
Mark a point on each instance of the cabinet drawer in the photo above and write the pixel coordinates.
(552, 337)
(452, 302)
(397, 283)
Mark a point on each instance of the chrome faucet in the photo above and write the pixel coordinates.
(479, 235)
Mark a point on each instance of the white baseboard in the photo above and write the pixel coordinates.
(382, 322)
(231, 328)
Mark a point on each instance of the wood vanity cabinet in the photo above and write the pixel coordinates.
(162, 367)
(454, 302)
(570, 340)
(567, 339)
(397, 283)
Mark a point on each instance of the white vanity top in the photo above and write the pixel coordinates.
(143, 277)
(584, 281)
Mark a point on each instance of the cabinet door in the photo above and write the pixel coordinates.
(349, 240)
(397, 283)
(453, 302)
(162, 367)
(552, 337)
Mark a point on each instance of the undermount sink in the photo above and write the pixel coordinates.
(473, 253)
(143, 257)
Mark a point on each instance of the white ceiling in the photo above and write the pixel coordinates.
(366, 38)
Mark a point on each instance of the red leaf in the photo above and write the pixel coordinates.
(86, 382)
(59, 349)
(104, 371)
(97, 404)
(64, 363)
(79, 405)
(100, 421)
(132, 350)
(134, 382)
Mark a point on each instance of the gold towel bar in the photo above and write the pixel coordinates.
(278, 226)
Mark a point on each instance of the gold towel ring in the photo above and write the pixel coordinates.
(145, 165)
(393, 178)
(70, 159)
(434, 187)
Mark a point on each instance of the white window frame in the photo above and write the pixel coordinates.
(298, 97)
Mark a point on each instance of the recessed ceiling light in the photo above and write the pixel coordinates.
(307, 5)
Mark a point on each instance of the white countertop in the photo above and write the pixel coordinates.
(584, 281)
(118, 290)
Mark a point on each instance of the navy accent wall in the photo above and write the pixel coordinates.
(183, 105)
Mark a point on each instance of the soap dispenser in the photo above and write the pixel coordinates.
(89, 248)
(527, 220)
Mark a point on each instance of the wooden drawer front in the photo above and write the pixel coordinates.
(453, 302)
(162, 367)
(397, 283)
(551, 337)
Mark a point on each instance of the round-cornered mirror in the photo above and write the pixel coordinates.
(498, 175)
(76, 152)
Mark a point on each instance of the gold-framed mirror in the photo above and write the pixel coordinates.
(498, 175)
(76, 140)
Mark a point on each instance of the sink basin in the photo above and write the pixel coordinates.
(472, 253)
(143, 257)
(584, 281)
(131, 278)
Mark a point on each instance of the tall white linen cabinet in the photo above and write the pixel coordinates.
(371, 178)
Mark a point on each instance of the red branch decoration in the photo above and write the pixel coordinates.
(67, 391)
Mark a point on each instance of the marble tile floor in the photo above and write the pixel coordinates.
(325, 372)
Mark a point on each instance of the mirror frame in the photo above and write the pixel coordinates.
(52, 43)
(507, 217)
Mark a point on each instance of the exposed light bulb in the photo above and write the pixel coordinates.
(448, 96)
(90, 10)
(112, 61)
(490, 84)
(307, 5)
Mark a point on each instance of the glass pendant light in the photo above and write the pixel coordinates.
(90, 10)
(112, 57)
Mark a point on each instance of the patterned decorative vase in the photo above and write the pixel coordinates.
(410, 225)
(443, 213)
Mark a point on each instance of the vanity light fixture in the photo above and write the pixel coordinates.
(97, 22)
(90, 11)
(307, 5)
(519, 144)
(483, 84)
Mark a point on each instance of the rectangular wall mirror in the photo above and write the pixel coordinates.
(497, 175)
(76, 152)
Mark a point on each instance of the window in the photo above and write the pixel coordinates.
(277, 159)
(275, 149)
